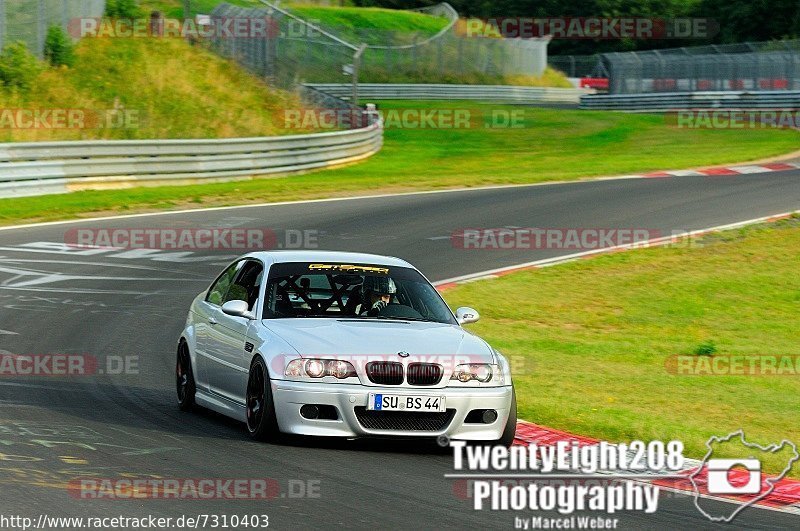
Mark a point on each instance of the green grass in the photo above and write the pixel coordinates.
(346, 21)
(553, 144)
(152, 78)
(371, 24)
(376, 73)
(174, 8)
(588, 340)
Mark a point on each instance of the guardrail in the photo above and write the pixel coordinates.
(671, 101)
(490, 93)
(39, 168)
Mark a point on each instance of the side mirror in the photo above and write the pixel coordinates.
(466, 315)
(237, 309)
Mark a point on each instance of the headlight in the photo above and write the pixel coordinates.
(317, 368)
(480, 372)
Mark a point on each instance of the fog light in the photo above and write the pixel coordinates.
(489, 416)
(309, 411)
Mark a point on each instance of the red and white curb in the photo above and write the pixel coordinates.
(449, 283)
(784, 498)
(743, 169)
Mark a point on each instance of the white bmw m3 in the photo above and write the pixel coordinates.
(344, 345)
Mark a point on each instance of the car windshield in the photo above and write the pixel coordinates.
(352, 291)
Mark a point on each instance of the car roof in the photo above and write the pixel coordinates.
(277, 257)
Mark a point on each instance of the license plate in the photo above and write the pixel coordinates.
(382, 402)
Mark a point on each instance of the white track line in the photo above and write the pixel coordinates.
(654, 242)
(298, 202)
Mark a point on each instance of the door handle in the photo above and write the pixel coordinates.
(212, 321)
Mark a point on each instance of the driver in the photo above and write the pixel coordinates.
(376, 293)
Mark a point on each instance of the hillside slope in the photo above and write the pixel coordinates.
(168, 88)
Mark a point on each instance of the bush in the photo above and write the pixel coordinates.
(122, 9)
(706, 348)
(58, 48)
(18, 66)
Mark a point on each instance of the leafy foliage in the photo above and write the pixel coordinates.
(19, 68)
(122, 9)
(58, 48)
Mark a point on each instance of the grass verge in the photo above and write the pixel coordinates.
(148, 79)
(590, 339)
(551, 144)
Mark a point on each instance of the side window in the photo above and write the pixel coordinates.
(219, 290)
(247, 284)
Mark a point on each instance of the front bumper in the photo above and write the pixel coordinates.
(290, 396)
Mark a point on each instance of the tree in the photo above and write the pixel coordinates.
(752, 20)
(58, 48)
(19, 68)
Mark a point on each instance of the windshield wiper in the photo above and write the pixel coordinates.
(393, 318)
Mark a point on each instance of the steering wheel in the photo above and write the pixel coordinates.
(400, 311)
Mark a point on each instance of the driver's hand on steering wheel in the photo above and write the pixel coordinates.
(378, 307)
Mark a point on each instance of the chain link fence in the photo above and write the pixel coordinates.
(748, 66)
(29, 20)
(577, 65)
(298, 51)
(288, 52)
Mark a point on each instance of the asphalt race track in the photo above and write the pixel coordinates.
(118, 304)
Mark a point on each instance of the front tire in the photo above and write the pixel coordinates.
(184, 378)
(262, 424)
(507, 439)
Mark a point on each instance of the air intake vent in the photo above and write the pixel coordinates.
(385, 372)
(403, 420)
(424, 374)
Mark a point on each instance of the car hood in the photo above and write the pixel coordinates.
(343, 338)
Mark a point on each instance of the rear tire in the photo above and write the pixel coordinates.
(507, 439)
(262, 424)
(184, 378)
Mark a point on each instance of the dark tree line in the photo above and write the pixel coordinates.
(738, 20)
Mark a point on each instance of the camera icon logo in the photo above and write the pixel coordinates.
(739, 477)
(720, 480)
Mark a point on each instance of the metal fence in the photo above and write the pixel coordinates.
(296, 50)
(577, 65)
(486, 93)
(39, 168)
(29, 20)
(764, 66)
(675, 101)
